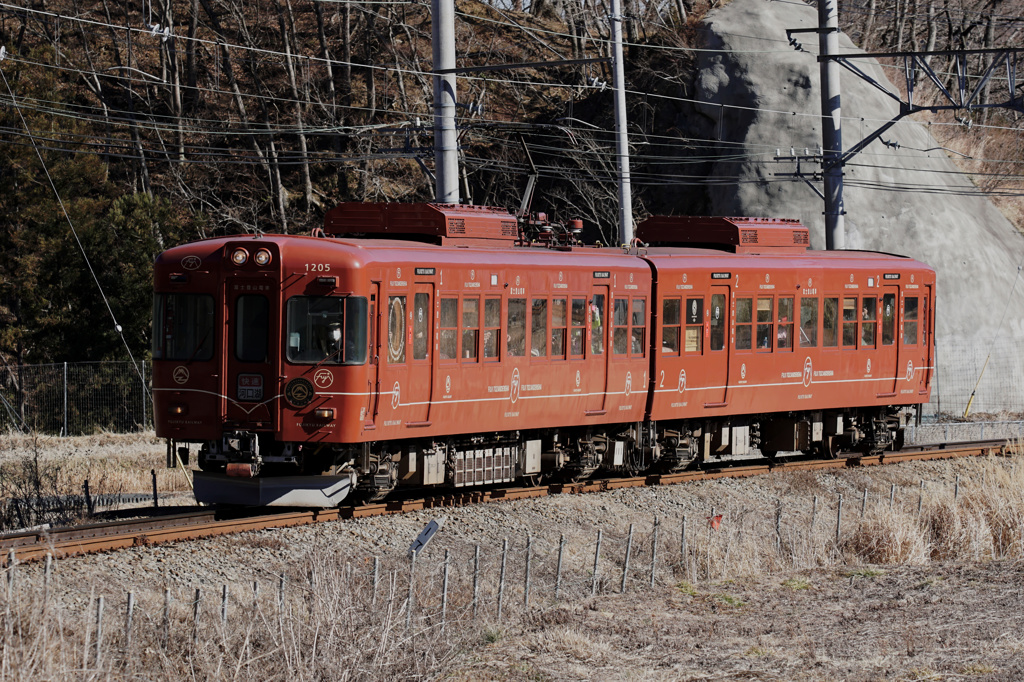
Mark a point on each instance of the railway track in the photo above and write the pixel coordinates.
(208, 522)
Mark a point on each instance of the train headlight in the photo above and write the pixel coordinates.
(239, 256)
(324, 413)
(178, 408)
(262, 257)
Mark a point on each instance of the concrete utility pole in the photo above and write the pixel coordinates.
(831, 126)
(446, 141)
(622, 140)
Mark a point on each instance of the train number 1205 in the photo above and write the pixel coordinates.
(318, 267)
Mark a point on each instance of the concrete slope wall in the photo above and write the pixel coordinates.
(908, 201)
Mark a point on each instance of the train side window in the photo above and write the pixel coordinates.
(830, 320)
(420, 326)
(252, 320)
(558, 325)
(597, 317)
(808, 322)
(639, 321)
(579, 324)
(888, 319)
(694, 325)
(717, 324)
(849, 322)
(785, 330)
(470, 328)
(744, 318)
(539, 328)
(396, 329)
(516, 327)
(670, 326)
(910, 321)
(449, 348)
(869, 305)
(492, 327)
(764, 323)
(620, 326)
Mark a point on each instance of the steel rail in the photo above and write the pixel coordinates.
(209, 522)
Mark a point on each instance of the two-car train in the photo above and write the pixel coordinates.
(433, 346)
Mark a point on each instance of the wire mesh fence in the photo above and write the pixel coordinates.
(82, 398)
(75, 398)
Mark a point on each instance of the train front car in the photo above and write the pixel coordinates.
(259, 345)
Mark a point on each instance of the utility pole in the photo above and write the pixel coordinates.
(831, 126)
(446, 141)
(622, 140)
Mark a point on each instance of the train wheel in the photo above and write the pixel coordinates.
(830, 447)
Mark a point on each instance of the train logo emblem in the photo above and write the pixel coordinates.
(868, 370)
(682, 380)
(398, 273)
(323, 378)
(559, 275)
(910, 370)
(396, 396)
(629, 383)
(298, 392)
(743, 371)
(448, 384)
(191, 262)
(808, 371)
(514, 386)
(180, 374)
(577, 378)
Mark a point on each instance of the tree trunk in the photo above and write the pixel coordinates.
(299, 116)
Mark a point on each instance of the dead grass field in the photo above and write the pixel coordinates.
(928, 587)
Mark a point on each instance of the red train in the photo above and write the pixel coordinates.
(432, 345)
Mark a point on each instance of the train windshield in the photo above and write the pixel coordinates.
(327, 329)
(183, 327)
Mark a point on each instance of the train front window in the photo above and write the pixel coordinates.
(328, 329)
(252, 323)
(183, 327)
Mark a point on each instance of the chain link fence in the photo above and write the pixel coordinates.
(82, 398)
(73, 399)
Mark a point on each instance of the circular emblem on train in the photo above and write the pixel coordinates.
(743, 371)
(910, 370)
(323, 378)
(448, 384)
(809, 282)
(398, 273)
(514, 385)
(911, 279)
(868, 370)
(298, 392)
(559, 275)
(684, 278)
(767, 278)
(808, 371)
(577, 378)
(682, 380)
(191, 262)
(851, 278)
(629, 383)
(517, 280)
(396, 396)
(180, 374)
(693, 308)
(472, 274)
(631, 277)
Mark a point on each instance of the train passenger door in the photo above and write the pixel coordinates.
(717, 357)
(889, 357)
(420, 362)
(373, 377)
(596, 352)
